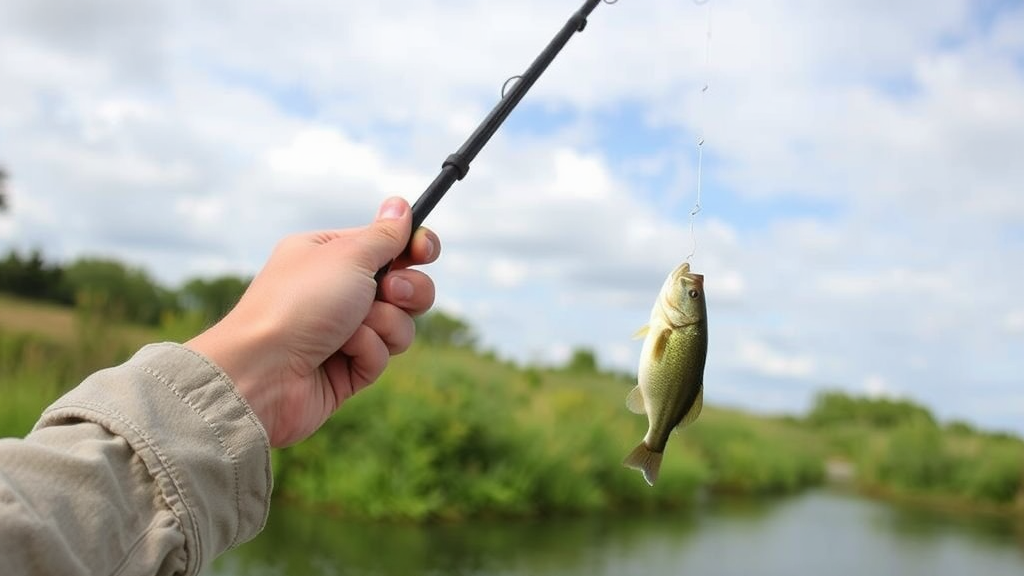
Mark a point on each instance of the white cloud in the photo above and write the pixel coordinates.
(318, 152)
(508, 273)
(876, 386)
(862, 178)
(762, 359)
(884, 283)
(1013, 322)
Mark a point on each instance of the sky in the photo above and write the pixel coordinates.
(862, 216)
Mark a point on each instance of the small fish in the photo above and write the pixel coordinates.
(670, 382)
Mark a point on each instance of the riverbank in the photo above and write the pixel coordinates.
(449, 433)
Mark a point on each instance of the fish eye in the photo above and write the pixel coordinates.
(694, 293)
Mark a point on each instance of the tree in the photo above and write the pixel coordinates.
(441, 329)
(30, 276)
(3, 190)
(583, 360)
(117, 291)
(212, 299)
(835, 407)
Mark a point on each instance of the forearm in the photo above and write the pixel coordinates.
(153, 467)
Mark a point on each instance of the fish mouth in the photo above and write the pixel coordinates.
(683, 273)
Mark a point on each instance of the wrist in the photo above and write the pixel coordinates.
(246, 353)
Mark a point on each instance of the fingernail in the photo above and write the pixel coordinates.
(401, 288)
(392, 209)
(430, 247)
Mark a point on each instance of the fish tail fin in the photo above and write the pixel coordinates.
(645, 460)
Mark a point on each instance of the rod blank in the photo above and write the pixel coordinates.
(456, 166)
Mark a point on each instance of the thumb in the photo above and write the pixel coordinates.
(386, 238)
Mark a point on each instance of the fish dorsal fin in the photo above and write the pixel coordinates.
(694, 412)
(660, 343)
(635, 401)
(642, 332)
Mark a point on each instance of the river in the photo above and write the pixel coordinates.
(819, 532)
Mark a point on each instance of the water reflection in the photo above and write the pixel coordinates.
(817, 533)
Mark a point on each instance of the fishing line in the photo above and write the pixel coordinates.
(701, 121)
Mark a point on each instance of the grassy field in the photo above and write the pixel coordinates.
(448, 433)
(46, 349)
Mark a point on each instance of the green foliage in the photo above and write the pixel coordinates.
(36, 368)
(920, 458)
(447, 434)
(31, 277)
(34, 371)
(582, 361)
(212, 298)
(3, 190)
(961, 428)
(995, 473)
(833, 408)
(916, 457)
(118, 291)
(752, 456)
(439, 328)
(181, 326)
(450, 433)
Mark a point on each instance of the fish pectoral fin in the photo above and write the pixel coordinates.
(694, 412)
(660, 343)
(642, 332)
(635, 401)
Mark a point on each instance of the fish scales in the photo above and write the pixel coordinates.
(670, 380)
(674, 383)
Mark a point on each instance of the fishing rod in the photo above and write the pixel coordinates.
(456, 166)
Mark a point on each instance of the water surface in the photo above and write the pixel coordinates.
(821, 532)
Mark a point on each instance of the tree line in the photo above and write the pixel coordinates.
(129, 294)
(119, 291)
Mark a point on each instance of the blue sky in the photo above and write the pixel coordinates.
(863, 203)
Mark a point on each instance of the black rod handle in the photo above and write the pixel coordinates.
(456, 166)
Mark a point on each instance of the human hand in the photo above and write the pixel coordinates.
(308, 333)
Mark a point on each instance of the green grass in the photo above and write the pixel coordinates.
(47, 349)
(921, 460)
(448, 433)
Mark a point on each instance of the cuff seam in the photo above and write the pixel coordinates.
(89, 410)
(216, 433)
(222, 380)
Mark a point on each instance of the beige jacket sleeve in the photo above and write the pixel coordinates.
(153, 467)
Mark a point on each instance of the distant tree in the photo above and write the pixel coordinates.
(3, 190)
(961, 428)
(583, 360)
(213, 298)
(442, 329)
(30, 276)
(834, 407)
(118, 291)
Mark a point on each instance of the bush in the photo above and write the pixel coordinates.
(916, 457)
(755, 457)
(995, 474)
(833, 408)
(118, 291)
(450, 435)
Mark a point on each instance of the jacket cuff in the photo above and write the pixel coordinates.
(206, 450)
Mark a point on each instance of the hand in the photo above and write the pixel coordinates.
(308, 333)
